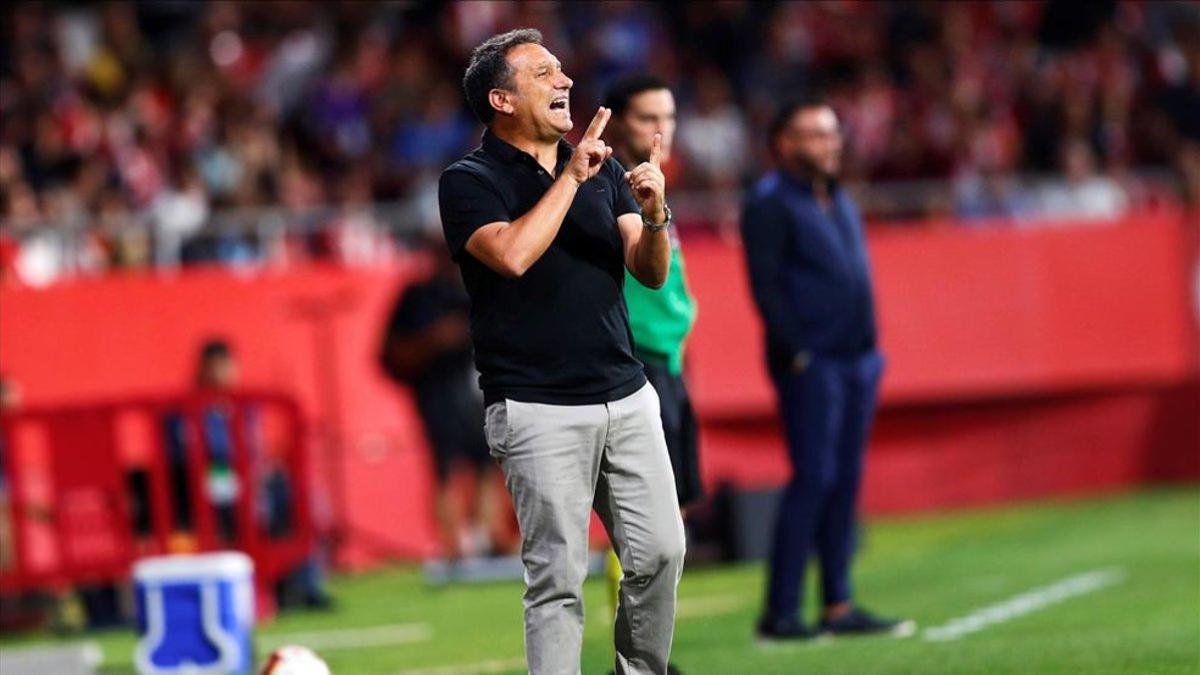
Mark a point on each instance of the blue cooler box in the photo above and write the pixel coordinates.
(195, 614)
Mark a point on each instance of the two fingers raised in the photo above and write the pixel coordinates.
(596, 148)
(597, 126)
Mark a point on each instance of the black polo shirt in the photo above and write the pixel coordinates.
(560, 333)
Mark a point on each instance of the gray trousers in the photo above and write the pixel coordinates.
(560, 462)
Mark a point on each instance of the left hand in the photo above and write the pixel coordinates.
(649, 185)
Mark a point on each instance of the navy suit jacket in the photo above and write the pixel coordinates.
(809, 270)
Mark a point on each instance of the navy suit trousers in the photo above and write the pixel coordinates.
(826, 411)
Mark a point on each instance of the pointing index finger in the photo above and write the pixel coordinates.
(597, 126)
(656, 150)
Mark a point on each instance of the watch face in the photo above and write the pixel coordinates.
(657, 226)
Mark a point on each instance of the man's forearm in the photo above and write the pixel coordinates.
(652, 258)
(525, 239)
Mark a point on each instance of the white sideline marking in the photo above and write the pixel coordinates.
(478, 668)
(50, 657)
(353, 638)
(1025, 603)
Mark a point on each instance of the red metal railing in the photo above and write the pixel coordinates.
(90, 489)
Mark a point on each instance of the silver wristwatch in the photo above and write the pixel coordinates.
(658, 227)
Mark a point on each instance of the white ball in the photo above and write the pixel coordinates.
(295, 660)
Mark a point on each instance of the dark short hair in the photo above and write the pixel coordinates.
(785, 113)
(215, 348)
(488, 69)
(621, 92)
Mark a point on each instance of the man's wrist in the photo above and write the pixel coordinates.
(658, 220)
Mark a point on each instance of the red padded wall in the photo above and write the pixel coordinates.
(1022, 363)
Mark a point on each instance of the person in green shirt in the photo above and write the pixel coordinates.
(660, 319)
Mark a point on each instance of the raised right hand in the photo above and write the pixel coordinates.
(591, 152)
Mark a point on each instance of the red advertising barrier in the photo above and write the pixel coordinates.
(1021, 363)
(981, 313)
(90, 489)
(312, 333)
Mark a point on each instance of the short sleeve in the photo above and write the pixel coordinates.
(467, 203)
(623, 195)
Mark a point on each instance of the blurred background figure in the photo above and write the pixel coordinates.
(217, 374)
(427, 346)
(807, 258)
(661, 319)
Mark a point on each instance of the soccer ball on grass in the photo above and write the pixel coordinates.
(295, 660)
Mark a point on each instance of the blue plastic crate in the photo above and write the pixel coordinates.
(195, 614)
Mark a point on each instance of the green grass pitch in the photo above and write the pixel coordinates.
(934, 568)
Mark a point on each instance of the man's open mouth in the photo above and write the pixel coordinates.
(558, 104)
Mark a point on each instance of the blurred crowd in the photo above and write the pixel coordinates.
(253, 133)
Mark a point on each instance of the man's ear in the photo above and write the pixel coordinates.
(500, 100)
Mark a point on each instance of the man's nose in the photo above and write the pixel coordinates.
(564, 82)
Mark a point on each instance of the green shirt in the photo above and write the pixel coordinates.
(661, 319)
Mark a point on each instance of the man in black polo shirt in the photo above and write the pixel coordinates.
(543, 233)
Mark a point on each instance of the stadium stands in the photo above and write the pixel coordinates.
(183, 133)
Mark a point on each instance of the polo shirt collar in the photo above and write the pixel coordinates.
(508, 152)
